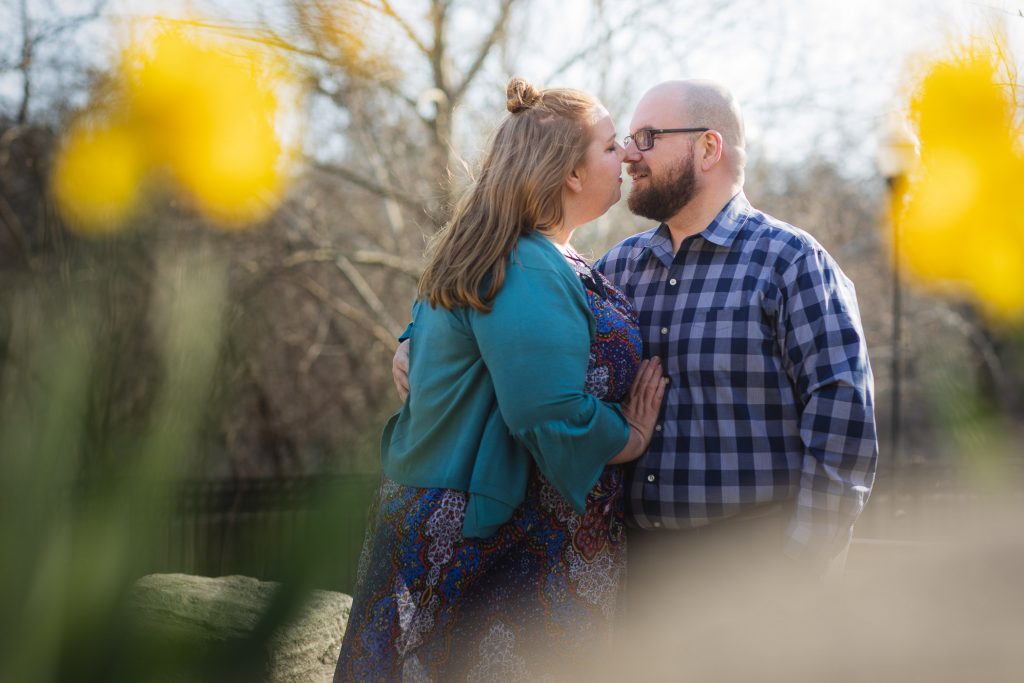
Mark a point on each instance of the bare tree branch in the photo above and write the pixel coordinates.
(998, 40)
(270, 38)
(387, 10)
(394, 90)
(15, 228)
(366, 257)
(314, 30)
(370, 186)
(53, 29)
(351, 312)
(379, 258)
(631, 19)
(396, 221)
(366, 292)
(354, 277)
(437, 54)
(378, 159)
(388, 86)
(34, 33)
(316, 348)
(485, 49)
(260, 35)
(28, 43)
(311, 256)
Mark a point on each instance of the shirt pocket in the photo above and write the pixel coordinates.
(735, 345)
(743, 321)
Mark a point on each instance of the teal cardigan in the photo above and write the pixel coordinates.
(492, 391)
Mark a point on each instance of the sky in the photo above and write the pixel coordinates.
(814, 78)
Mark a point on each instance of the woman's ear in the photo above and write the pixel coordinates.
(574, 181)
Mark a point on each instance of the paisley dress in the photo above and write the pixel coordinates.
(430, 605)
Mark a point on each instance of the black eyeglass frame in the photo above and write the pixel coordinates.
(651, 133)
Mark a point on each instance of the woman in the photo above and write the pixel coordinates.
(498, 536)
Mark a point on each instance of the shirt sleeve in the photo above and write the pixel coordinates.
(825, 355)
(536, 346)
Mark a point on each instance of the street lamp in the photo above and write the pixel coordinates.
(896, 156)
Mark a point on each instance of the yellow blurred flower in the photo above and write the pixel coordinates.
(962, 225)
(213, 108)
(207, 111)
(96, 176)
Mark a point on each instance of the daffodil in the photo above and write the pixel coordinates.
(204, 111)
(212, 107)
(97, 175)
(962, 226)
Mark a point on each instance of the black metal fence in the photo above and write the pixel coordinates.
(251, 526)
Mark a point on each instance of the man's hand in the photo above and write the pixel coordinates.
(400, 369)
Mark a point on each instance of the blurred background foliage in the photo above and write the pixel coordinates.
(210, 236)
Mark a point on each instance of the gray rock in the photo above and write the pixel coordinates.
(230, 607)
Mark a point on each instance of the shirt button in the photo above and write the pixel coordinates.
(657, 525)
(657, 428)
(664, 330)
(650, 478)
(673, 281)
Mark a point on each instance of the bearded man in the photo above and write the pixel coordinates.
(766, 448)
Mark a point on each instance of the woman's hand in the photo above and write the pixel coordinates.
(641, 408)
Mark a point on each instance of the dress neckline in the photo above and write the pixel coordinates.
(590, 278)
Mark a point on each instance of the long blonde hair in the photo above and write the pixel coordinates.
(519, 190)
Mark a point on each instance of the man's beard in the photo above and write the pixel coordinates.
(661, 200)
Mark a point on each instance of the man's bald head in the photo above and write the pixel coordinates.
(701, 103)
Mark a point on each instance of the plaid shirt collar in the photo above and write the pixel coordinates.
(721, 231)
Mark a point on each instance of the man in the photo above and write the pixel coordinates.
(767, 443)
(769, 409)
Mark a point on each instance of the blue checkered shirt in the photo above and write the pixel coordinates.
(770, 394)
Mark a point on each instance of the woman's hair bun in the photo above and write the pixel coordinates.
(520, 95)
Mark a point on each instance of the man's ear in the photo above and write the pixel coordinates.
(574, 181)
(710, 148)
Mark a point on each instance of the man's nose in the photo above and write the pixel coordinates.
(632, 155)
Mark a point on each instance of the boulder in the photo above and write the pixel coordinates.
(230, 607)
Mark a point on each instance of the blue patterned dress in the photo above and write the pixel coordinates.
(430, 605)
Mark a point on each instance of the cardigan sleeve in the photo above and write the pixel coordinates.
(536, 346)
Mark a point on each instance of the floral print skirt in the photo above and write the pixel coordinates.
(431, 605)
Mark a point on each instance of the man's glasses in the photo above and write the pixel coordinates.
(644, 138)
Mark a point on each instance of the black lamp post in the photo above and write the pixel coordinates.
(897, 154)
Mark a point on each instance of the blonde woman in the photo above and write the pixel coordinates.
(497, 542)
